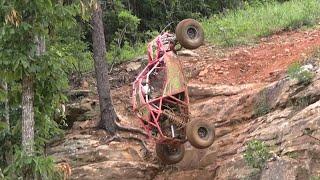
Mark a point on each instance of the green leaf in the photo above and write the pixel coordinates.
(25, 64)
(3, 126)
(25, 26)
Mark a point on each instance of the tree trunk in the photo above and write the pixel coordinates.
(108, 115)
(27, 103)
(27, 114)
(6, 105)
(28, 109)
(27, 121)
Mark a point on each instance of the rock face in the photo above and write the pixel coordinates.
(91, 158)
(285, 115)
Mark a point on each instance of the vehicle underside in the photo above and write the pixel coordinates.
(160, 95)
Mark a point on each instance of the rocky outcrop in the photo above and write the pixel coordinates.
(289, 125)
(91, 158)
(82, 110)
(285, 115)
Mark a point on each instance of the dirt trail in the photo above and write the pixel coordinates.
(265, 62)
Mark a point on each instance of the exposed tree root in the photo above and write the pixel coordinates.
(314, 138)
(119, 138)
(131, 129)
(136, 131)
(113, 138)
(142, 143)
(308, 132)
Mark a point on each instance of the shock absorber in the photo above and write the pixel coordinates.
(180, 122)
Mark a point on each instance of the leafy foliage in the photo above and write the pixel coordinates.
(296, 71)
(126, 52)
(128, 22)
(229, 22)
(20, 23)
(256, 154)
(42, 167)
(122, 47)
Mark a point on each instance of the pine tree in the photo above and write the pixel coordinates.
(108, 115)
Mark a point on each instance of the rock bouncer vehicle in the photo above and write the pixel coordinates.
(160, 95)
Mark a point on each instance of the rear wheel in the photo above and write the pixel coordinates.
(190, 34)
(170, 154)
(200, 134)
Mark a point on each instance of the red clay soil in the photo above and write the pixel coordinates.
(264, 62)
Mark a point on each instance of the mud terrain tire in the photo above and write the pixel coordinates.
(200, 134)
(190, 34)
(169, 154)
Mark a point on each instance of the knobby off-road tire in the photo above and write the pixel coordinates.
(200, 134)
(190, 34)
(170, 154)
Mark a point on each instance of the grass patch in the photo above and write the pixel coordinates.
(301, 102)
(246, 25)
(256, 154)
(126, 52)
(296, 71)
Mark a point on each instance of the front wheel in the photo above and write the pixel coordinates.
(170, 154)
(200, 134)
(190, 34)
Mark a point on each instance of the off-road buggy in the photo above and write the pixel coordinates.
(160, 95)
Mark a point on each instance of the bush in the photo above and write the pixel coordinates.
(245, 25)
(295, 71)
(39, 166)
(256, 154)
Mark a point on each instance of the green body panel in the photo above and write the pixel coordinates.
(175, 79)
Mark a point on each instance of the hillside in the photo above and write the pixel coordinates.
(244, 91)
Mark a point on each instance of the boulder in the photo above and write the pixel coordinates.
(86, 109)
